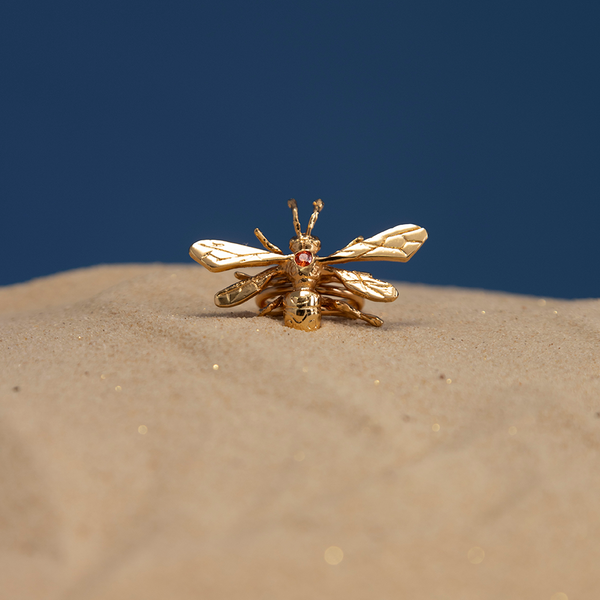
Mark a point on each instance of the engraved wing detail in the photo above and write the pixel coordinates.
(366, 286)
(217, 255)
(396, 244)
(244, 290)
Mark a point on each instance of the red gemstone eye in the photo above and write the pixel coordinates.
(303, 258)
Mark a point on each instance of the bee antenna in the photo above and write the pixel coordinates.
(292, 204)
(318, 204)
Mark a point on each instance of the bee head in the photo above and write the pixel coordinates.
(305, 241)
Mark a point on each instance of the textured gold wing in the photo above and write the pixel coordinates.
(366, 286)
(396, 244)
(217, 255)
(244, 290)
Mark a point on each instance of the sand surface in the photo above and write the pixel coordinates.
(453, 453)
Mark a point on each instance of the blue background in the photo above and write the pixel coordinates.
(129, 130)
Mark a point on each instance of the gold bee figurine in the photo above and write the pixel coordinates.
(302, 286)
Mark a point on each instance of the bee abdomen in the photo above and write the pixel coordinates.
(302, 310)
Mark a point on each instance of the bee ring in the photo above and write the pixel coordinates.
(302, 286)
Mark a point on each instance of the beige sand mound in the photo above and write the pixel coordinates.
(453, 453)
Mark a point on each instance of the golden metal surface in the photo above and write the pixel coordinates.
(218, 256)
(303, 286)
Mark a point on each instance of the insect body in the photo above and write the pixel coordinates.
(303, 286)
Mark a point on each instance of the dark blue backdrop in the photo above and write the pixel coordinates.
(131, 129)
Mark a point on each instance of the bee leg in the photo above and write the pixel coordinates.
(276, 303)
(265, 242)
(350, 312)
(357, 240)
